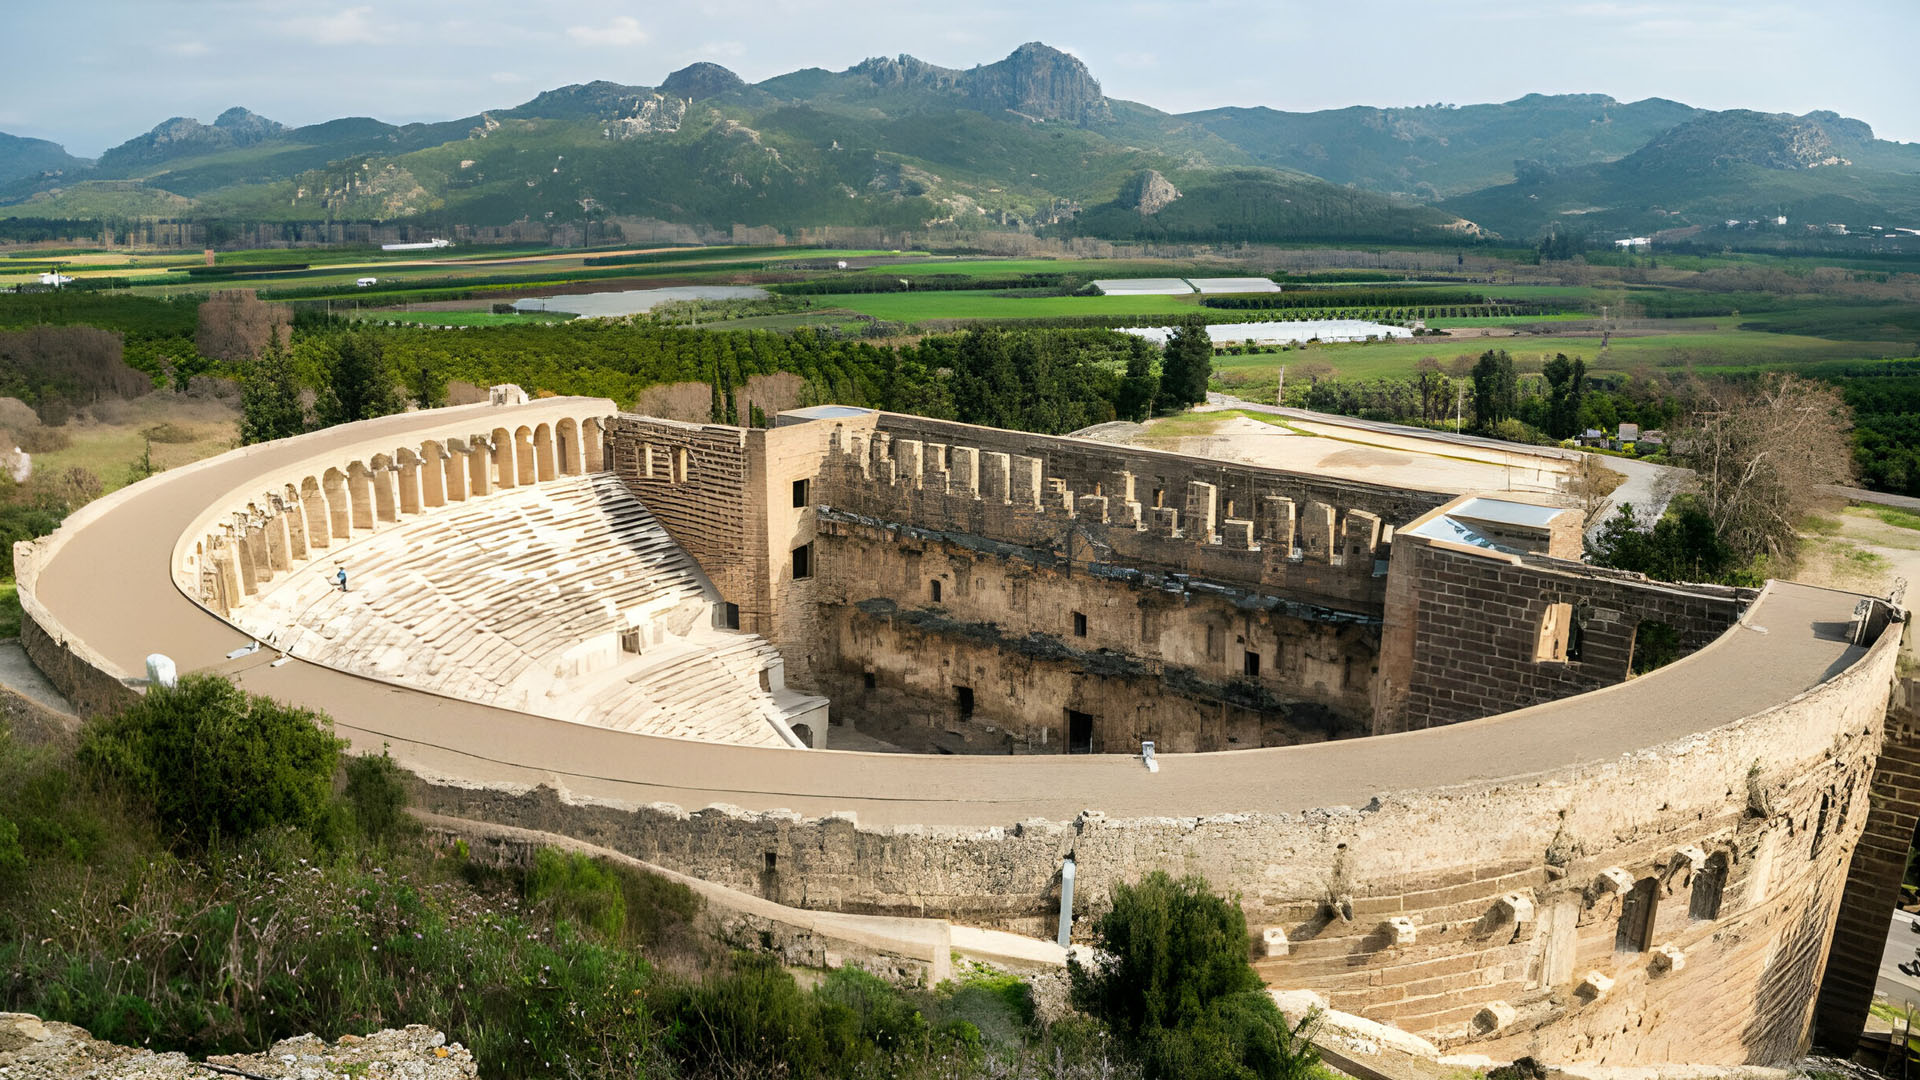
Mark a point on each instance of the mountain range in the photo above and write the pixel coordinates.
(1028, 142)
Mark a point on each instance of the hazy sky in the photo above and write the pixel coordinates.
(92, 73)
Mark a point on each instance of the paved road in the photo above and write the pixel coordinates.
(1895, 985)
(1878, 498)
(110, 584)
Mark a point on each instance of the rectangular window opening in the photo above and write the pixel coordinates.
(803, 562)
(869, 680)
(933, 589)
(730, 616)
(1079, 624)
(801, 494)
(963, 699)
(1251, 664)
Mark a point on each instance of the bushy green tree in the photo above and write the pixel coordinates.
(214, 761)
(1140, 385)
(358, 384)
(1174, 982)
(1566, 395)
(270, 406)
(1496, 388)
(1186, 365)
(1681, 546)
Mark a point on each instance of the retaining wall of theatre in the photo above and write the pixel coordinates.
(1486, 916)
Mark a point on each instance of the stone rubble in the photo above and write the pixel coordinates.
(33, 1049)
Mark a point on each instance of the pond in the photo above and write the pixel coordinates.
(634, 301)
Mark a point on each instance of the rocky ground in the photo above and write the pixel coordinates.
(31, 1049)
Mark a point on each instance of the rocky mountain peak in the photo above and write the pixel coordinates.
(1739, 137)
(1147, 192)
(906, 72)
(700, 80)
(247, 126)
(1042, 82)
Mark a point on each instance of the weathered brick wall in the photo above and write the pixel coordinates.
(1159, 659)
(1463, 630)
(695, 478)
(1873, 878)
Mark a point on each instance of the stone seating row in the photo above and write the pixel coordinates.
(495, 599)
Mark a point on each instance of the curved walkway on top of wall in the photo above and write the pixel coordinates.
(100, 589)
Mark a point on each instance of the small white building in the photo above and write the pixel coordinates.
(1634, 242)
(55, 279)
(366, 282)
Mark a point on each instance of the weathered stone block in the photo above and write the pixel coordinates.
(1594, 985)
(1667, 958)
(1316, 533)
(1515, 908)
(1024, 491)
(1236, 534)
(1275, 939)
(1202, 506)
(1493, 1017)
(996, 473)
(1401, 931)
(1613, 881)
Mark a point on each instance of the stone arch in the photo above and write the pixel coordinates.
(523, 456)
(360, 495)
(593, 444)
(340, 512)
(543, 452)
(804, 733)
(433, 474)
(380, 479)
(315, 505)
(409, 480)
(296, 523)
(566, 438)
(505, 475)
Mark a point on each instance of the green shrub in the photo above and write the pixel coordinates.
(579, 889)
(376, 797)
(1174, 982)
(13, 857)
(886, 1018)
(216, 762)
(759, 1022)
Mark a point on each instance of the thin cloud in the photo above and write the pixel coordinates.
(507, 78)
(188, 48)
(621, 30)
(352, 26)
